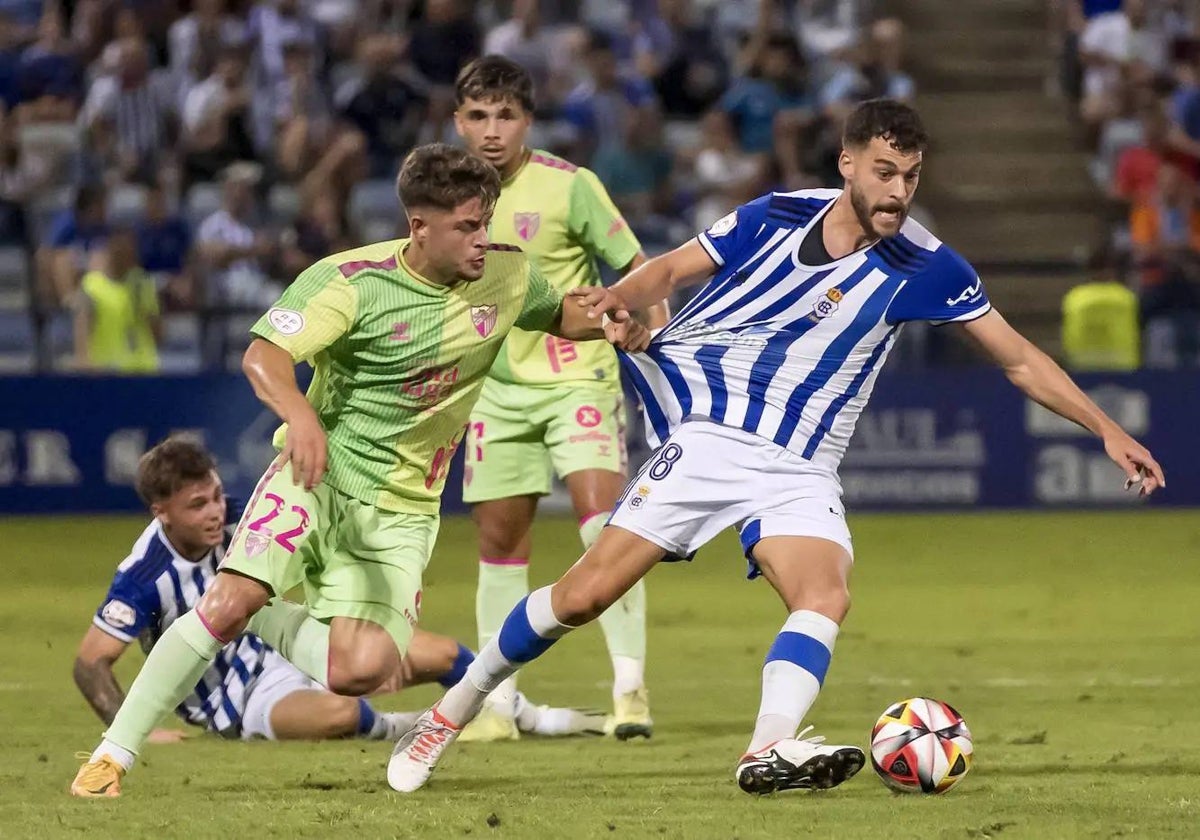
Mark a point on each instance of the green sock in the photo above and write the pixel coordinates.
(300, 639)
(503, 582)
(179, 658)
(624, 623)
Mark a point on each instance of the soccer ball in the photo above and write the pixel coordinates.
(921, 746)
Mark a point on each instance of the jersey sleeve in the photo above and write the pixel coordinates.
(314, 312)
(542, 303)
(946, 289)
(129, 607)
(597, 223)
(729, 236)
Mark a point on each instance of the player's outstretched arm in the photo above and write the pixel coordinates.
(617, 327)
(1043, 381)
(272, 373)
(94, 675)
(654, 281)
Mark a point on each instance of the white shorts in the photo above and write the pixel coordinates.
(278, 679)
(707, 477)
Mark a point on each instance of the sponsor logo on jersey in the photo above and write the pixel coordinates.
(710, 334)
(588, 416)
(119, 614)
(431, 386)
(285, 321)
(484, 319)
(616, 227)
(723, 225)
(527, 224)
(400, 332)
(968, 295)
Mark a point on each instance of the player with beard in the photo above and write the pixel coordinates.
(751, 394)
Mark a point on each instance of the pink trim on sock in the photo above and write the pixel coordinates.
(583, 520)
(504, 561)
(208, 627)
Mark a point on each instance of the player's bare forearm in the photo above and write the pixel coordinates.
(272, 374)
(99, 686)
(621, 330)
(1041, 379)
(657, 315)
(659, 278)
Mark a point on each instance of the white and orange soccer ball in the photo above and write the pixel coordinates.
(921, 746)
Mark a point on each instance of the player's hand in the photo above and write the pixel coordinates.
(167, 736)
(1139, 466)
(626, 332)
(305, 447)
(597, 300)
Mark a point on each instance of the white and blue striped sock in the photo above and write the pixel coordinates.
(792, 675)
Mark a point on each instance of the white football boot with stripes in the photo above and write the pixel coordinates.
(798, 764)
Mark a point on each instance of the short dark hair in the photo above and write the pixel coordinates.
(166, 468)
(494, 78)
(442, 176)
(893, 121)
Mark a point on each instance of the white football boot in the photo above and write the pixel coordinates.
(798, 764)
(417, 752)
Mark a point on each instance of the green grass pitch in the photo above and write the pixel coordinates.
(1068, 641)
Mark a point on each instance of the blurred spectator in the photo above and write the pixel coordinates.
(310, 147)
(133, 111)
(775, 80)
(873, 72)
(526, 41)
(197, 40)
(444, 40)
(216, 119)
(21, 177)
(164, 242)
(273, 24)
(320, 230)
(637, 170)
(24, 17)
(117, 325)
(683, 62)
(50, 77)
(1104, 49)
(11, 45)
(75, 235)
(826, 27)
(596, 110)
(725, 174)
(233, 254)
(1136, 172)
(387, 104)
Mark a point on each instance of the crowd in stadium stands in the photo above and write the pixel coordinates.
(1133, 69)
(167, 166)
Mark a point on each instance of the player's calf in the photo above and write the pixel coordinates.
(362, 657)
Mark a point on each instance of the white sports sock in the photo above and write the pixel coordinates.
(628, 674)
(792, 676)
(117, 753)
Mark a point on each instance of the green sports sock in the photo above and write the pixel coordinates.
(300, 639)
(503, 582)
(171, 672)
(624, 623)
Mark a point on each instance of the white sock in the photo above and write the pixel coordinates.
(530, 628)
(503, 699)
(629, 674)
(792, 676)
(117, 753)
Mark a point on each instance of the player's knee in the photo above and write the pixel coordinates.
(354, 672)
(227, 606)
(578, 605)
(832, 602)
(497, 538)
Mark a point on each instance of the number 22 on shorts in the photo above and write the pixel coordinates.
(284, 539)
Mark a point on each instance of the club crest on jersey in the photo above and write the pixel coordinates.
(827, 305)
(639, 498)
(484, 319)
(256, 544)
(527, 224)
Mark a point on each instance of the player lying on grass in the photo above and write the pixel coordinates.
(547, 404)
(401, 335)
(250, 691)
(751, 394)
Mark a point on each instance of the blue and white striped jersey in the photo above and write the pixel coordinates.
(153, 586)
(788, 351)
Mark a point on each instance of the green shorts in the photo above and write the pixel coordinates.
(354, 559)
(518, 433)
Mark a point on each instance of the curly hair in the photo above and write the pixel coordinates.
(889, 120)
(442, 176)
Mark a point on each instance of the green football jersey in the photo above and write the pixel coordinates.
(399, 361)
